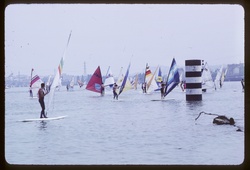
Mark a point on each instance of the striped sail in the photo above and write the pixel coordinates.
(173, 78)
(159, 79)
(149, 79)
(35, 84)
(57, 78)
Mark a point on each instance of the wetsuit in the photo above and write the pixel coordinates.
(41, 101)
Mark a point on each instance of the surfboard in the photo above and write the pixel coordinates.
(43, 119)
(163, 100)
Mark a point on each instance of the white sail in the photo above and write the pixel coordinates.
(217, 80)
(120, 78)
(109, 79)
(207, 80)
(48, 84)
(57, 78)
(72, 82)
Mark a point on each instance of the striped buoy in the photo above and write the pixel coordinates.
(193, 80)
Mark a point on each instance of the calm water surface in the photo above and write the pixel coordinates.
(132, 130)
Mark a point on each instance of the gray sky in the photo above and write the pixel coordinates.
(113, 35)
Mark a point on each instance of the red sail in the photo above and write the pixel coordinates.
(95, 81)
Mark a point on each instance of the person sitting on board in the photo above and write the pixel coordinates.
(162, 89)
(115, 87)
(41, 94)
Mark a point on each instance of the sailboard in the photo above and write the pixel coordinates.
(95, 82)
(43, 119)
(207, 80)
(162, 100)
(57, 79)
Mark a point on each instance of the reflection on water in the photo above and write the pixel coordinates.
(192, 105)
(43, 125)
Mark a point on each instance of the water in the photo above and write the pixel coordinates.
(133, 130)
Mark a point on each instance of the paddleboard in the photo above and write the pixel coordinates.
(43, 119)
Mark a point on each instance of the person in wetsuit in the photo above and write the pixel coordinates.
(41, 94)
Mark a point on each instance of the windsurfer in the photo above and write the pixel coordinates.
(114, 91)
(243, 84)
(102, 89)
(31, 94)
(41, 94)
(144, 87)
(162, 89)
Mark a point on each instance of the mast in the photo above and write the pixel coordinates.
(57, 76)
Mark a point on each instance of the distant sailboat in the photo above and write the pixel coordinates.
(57, 79)
(35, 84)
(220, 77)
(70, 86)
(172, 79)
(207, 80)
(95, 82)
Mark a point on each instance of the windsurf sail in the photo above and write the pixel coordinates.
(149, 80)
(124, 82)
(159, 79)
(95, 81)
(134, 82)
(35, 83)
(48, 84)
(109, 78)
(120, 78)
(57, 78)
(207, 80)
(173, 78)
(217, 81)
